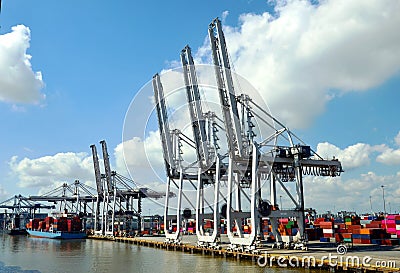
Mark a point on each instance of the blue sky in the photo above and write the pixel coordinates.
(333, 69)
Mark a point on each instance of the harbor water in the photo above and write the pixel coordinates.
(34, 255)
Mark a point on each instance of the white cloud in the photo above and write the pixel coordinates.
(348, 194)
(18, 82)
(142, 160)
(48, 172)
(389, 157)
(137, 153)
(297, 57)
(354, 156)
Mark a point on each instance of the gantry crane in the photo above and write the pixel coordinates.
(172, 142)
(209, 162)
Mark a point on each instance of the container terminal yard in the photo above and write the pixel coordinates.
(235, 177)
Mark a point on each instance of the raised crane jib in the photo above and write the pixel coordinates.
(163, 126)
(195, 109)
(107, 167)
(97, 173)
(225, 88)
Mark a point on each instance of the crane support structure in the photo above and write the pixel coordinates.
(163, 126)
(97, 174)
(195, 109)
(99, 184)
(107, 167)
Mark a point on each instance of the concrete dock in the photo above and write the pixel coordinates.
(359, 258)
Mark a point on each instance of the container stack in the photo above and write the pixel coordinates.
(397, 221)
(191, 226)
(33, 224)
(327, 231)
(287, 227)
(324, 229)
(61, 224)
(48, 222)
(342, 232)
(392, 226)
(369, 235)
(265, 227)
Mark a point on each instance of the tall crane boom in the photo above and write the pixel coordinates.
(195, 109)
(97, 170)
(107, 167)
(163, 125)
(225, 88)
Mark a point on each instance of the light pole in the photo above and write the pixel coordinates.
(280, 198)
(370, 203)
(383, 197)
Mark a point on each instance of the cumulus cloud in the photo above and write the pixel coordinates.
(18, 82)
(46, 173)
(348, 194)
(302, 54)
(354, 156)
(142, 160)
(390, 156)
(360, 154)
(136, 153)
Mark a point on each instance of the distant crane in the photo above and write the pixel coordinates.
(116, 202)
(22, 209)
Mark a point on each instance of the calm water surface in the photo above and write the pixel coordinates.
(34, 255)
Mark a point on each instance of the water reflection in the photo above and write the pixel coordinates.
(34, 255)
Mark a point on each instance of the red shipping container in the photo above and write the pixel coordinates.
(69, 225)
(284, 220)
(35, 224)
(346, 235)
(342, 230)
(373, 225)
(48, 220)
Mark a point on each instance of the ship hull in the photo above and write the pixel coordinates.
(17, 232)
(63, 235)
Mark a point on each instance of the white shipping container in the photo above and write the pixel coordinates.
(327, 230)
